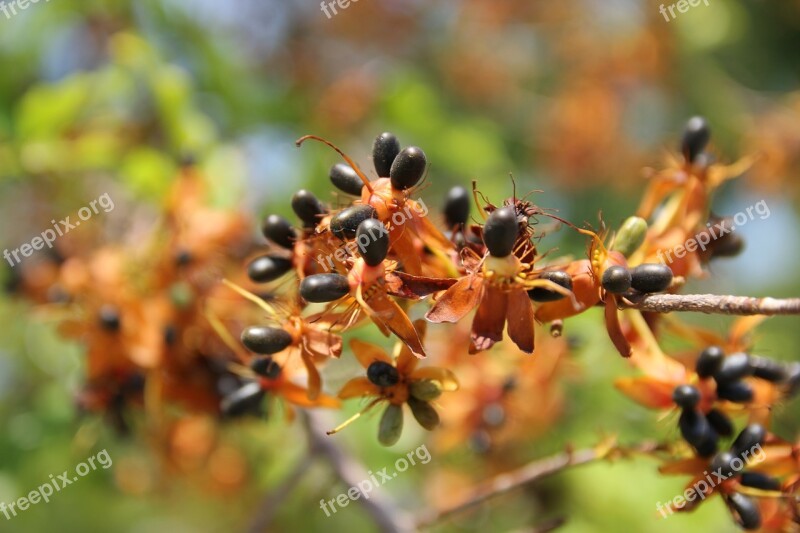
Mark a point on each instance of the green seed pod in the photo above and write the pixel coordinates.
(425, 390)
(391, 425)
(424, 412)
(630, 236)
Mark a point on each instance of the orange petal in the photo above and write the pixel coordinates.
(357, 387)
(647, 391)
(299, 396)
(487, 326)
(457, 301)
(383, 310)
(520, 319)
(406, 360)
(367, 353)
(614, 329)
(446, 379)
(314, 381)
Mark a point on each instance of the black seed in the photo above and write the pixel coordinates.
(695, 138)
(686, 396)
(708, 447)
(745, 510)
(695, 428)
(344, 224)
(109, 318)
(267, 268)
(456, 207)
(244, 400)
(408, 168)
(500, 231)
(722, 464)
(733, 368)
(307, 207)
(768, 369)
(278, 230)
(616, 279)
(170, 334)
(384, 150)
(382, 374)
(265, 366)
(720, 422)
(709, 361)
(750, 437)
(266, 340)
(757, 480)
(346, 179)
(651, 277)
(559, 277)
(373, 241)
(737, 391)
(321, 288)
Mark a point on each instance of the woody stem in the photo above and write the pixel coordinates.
(713, 304)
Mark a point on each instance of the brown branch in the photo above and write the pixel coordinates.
(713, 304)
(272, 501)
(529, 473)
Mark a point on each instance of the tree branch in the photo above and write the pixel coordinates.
(713, 304)
(272, 501)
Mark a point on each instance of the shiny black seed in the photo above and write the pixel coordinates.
(733, 368)
(266, 340)
(267, 268)
(745, 510)
(559, 277)
(722, 464)
(708, 447)
(384, 151)
(686, 396)
(651, 277)
(320, 288)
(757, 480)
(265, 366)
(749, 438)
(346, 179)
(768, 369)
(616, 279)
(243, 401)
(737, 391)
(694, 427)
(307, 207)
(720, 422)
(500, 231)
(373, 241)
(408, 168)
(344, 224)
(456, 207)
(695, 138)
(709, 361)
(109, 318)
(382, 374)
(278, 230)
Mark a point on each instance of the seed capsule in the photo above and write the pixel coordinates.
(695, 138)
(384, 151)
(268, 268)
(757, 480)
(651, 277)
(686, 396)
(346, 179)
(382, 374)
(745, 510)
(720, 422)
(265, 366)
(391, 425)
(321, 288)
(750, 437)
(456, 207)
(559, 277)
(373, 241)
(266, 340)
(109, 318)
(307, 207)
(737, 391)
(768, 369)
(630, 236)
(616, 279)
(425, 390)
(278, 230)
(733, 368)
(722, 463)
(244, 400)
(344, 224)
(500, 231)
(709, 361)
(408, 168)
(425, 414)
(695, 428)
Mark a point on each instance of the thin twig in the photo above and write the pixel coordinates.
(272, 501)
(714, 304)
(529, 473)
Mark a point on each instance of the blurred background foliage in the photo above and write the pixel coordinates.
(572, 98)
